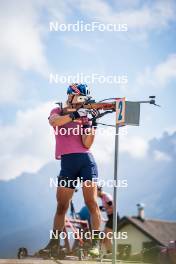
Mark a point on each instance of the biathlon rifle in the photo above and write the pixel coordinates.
(105, 106)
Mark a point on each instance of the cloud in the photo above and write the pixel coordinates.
(11, 86)
(76, 42)
(161, 156)
(136, 146)
(57, 9)
(21, 37)
(103, 146)
(161, 149)
(149, 16)
(164, 148)
(103, 149)
(27, 144)
(160, 75)
(24, 35)
(21, 47)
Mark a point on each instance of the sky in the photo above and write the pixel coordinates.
(30, 52)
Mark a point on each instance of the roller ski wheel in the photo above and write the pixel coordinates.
(80, 253)
(94, 252)
(107, 256)
(22, 253)
(52, 253)
(62, 253)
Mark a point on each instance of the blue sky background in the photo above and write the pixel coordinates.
(29, 52)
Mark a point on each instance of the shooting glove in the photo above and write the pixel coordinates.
(79, 113)
(95, 113)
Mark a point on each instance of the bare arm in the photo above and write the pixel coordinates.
(88, 140)
(60, 120)
(57, 120)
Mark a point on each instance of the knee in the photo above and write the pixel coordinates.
(62, 208)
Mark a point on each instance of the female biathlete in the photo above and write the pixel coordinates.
(76, 162)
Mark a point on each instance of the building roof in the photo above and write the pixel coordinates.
(160, 231)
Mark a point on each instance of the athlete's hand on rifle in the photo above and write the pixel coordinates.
(81, 112)
(95, 113)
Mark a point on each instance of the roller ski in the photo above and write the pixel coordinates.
(95, 250)
(51, 251)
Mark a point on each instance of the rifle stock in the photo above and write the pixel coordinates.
(101, 106)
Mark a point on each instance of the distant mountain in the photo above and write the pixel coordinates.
(27, 208)
(152, 180)
(27, 203)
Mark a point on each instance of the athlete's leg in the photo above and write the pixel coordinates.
(90, 198)
(107, 241)
(65, 189)
(64, 196)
